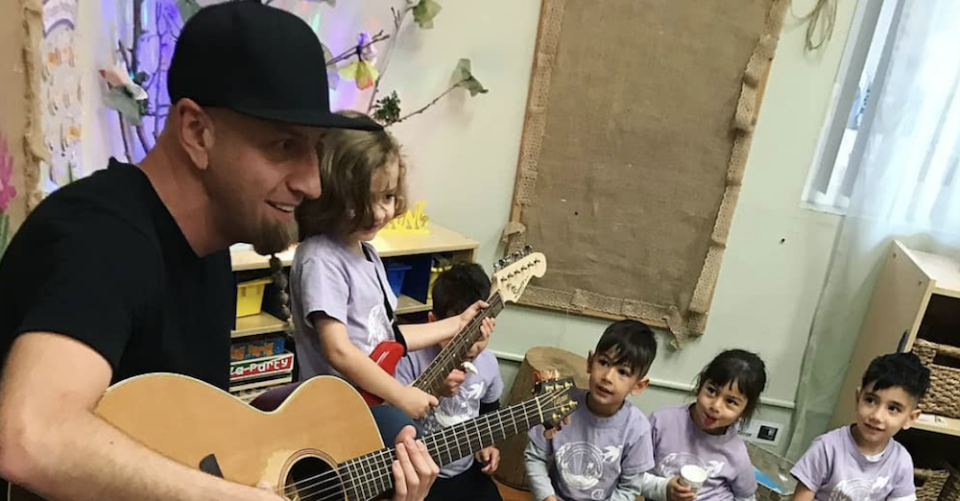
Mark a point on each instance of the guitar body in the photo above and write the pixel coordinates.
(386, 355)
(187, 420)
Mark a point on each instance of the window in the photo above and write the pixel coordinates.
(831, 177)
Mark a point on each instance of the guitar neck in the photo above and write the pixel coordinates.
(371, 475)
(456, 350)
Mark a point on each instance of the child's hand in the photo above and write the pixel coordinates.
(470, 313)
(549, 433)
(679, 492)
(451, 385)
(490, 458)
(486, 328)
(415, 402)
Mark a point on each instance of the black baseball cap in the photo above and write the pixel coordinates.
(256, 60)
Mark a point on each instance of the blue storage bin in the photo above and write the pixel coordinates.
(395, 274)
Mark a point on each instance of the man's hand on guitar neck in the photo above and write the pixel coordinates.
(414, 470)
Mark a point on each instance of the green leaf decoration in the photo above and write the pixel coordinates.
(187, 9)
(119, 100)
(387, 109)
(424, 12)
(465, 79)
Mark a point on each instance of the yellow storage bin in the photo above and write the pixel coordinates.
(435, 272)
(250, 297)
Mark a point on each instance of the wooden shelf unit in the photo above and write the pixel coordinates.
(261, 323)
(439, 240)
(901, 303)
(938, 424)
(407, 305)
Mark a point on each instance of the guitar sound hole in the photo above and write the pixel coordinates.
(313, 479)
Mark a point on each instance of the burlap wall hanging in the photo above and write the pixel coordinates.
(637, 130)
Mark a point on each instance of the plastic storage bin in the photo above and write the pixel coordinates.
(250, 297)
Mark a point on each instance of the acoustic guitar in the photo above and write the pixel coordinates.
(320, 444)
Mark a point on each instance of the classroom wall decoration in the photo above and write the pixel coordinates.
(61, 95)
(21, 145)
(637, 130)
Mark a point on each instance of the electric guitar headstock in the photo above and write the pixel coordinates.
(513, 273)
(553, 392)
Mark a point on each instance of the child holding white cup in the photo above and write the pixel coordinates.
(697, 450)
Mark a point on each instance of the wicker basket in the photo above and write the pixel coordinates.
(943, 398)
(775, 467)
(951, 488)
(929, 483)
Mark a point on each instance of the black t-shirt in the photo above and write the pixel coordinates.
(103, 261)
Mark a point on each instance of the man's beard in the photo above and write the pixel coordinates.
(274, 238)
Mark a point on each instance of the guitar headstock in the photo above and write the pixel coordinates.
(514, 272)
(553, 392)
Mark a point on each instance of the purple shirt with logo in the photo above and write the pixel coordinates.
(485, 386)
(328, 276)
(679, 441)
(835, 469)
(592, 453)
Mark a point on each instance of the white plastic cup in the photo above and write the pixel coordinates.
(693, 477)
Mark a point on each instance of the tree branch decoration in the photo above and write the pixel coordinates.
(135, 91)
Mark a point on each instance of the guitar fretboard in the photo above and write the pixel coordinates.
(452, 355)
(370, 475)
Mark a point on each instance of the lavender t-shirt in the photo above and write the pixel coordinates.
(835, 469)
(485, 386)
(329, 277)
(592, 453)
(678, 441)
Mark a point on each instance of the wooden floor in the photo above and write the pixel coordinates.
(511, 494)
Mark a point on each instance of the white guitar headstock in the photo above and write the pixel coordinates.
(514, 272)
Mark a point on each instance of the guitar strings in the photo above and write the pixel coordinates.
(446, 356)
(380, 456)
(384, 478)
(526, 406)
(379, 476)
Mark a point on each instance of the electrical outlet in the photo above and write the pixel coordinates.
(763, 432)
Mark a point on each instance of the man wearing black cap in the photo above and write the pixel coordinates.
(128, 271)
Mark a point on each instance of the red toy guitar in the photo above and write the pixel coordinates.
(512, 275)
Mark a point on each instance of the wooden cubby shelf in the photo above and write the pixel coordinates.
(262, 323)
(916, 297)
(412, 254)
(439, 240)
(938, 424)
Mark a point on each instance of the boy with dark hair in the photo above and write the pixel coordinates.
(861, 461)
(606, 449)
(467, 479)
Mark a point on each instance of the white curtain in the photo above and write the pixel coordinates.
(904, 169)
